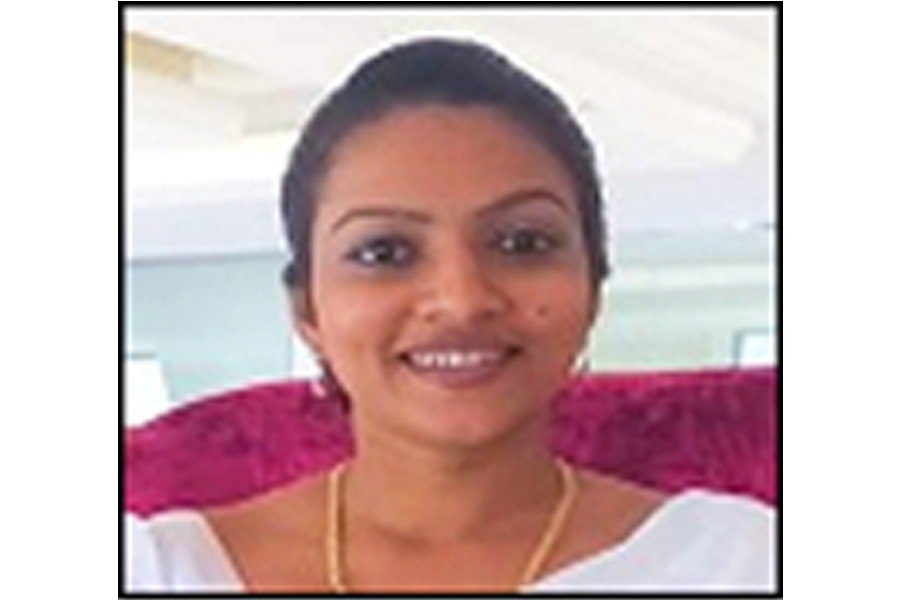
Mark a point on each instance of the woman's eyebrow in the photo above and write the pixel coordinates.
(381, 212)
(525, 195)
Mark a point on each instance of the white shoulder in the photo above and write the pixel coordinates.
(733, 536)
(696, 541)
(175, 551)
(143, 563)
(753, 520)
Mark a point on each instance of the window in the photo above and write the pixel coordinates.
(146, 395)
(754, 348)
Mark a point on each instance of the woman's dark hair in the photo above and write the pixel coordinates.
(445, 72)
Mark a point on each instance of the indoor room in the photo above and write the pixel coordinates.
(427, 300)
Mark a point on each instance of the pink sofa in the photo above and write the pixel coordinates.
(710, 428)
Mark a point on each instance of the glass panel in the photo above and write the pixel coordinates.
(755, 348)
(146, 395)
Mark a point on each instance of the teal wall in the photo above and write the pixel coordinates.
(214, 322)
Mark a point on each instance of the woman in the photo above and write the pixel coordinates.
(448, 248)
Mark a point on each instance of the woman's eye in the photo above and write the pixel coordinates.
(388, 252)
(525, 242)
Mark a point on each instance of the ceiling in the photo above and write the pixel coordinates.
(679, 100)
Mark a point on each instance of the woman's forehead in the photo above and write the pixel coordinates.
(434, 156)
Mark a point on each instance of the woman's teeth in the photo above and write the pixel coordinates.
(453, 359)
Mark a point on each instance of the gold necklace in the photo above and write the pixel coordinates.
(536, 562)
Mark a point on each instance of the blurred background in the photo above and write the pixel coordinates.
(679, 102)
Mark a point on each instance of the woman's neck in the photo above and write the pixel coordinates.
(430, 495)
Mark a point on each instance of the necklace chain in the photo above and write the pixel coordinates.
(536, 562)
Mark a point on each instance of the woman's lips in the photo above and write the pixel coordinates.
(458, 367)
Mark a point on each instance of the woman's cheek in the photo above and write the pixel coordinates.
(564, 318)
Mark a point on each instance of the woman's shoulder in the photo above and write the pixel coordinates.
(709, 540)
(718, 517)
(200, 549)
(697, 506)
(681, 517)
(174, 551)
(692, 540)
(608, 509)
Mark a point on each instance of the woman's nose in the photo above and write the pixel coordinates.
(460, 288)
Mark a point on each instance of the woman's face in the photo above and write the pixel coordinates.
(449, 289)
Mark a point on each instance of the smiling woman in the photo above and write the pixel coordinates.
(448, 249)
(482, 258)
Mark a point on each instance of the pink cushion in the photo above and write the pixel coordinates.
(711, 428)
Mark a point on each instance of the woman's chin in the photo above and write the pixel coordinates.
(472, 427)
(467, 410)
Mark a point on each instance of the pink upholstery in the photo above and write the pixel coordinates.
(710, 428)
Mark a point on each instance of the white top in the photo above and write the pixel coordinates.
(695, 541)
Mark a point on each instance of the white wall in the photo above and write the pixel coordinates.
(207, 206)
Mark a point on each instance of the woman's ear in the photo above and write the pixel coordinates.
(304, 319)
